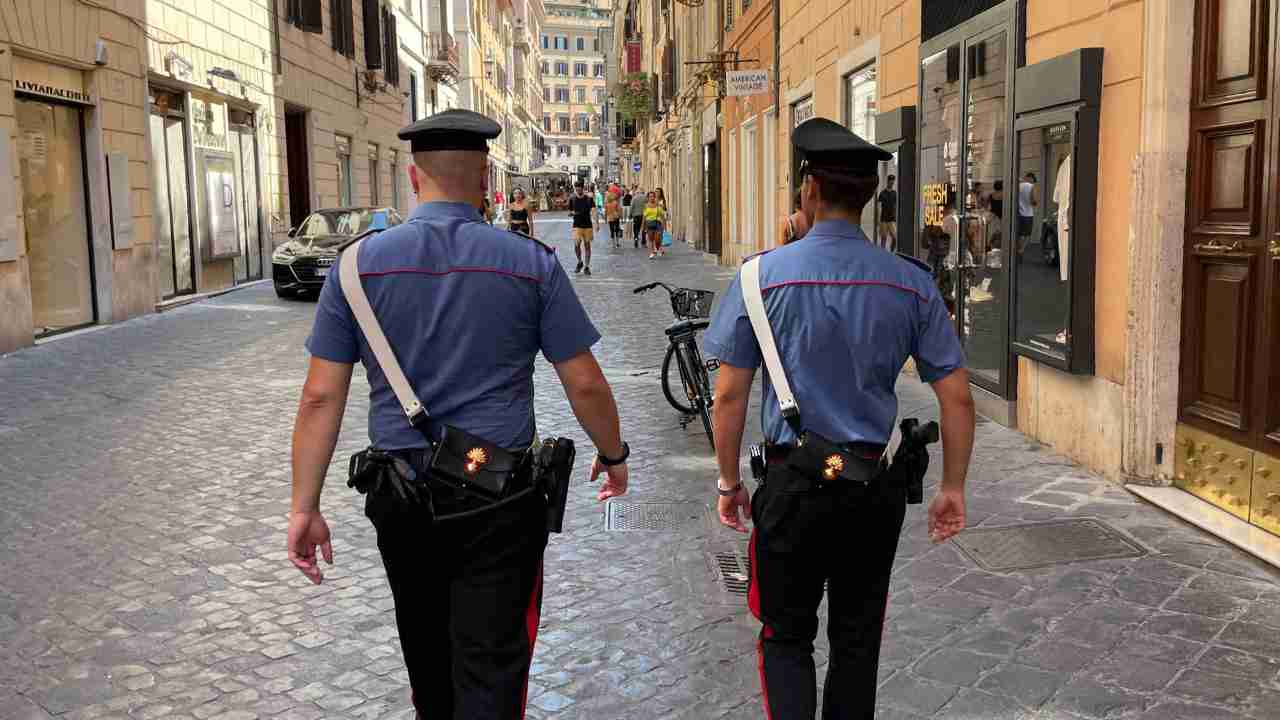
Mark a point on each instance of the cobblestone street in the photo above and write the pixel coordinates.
(144, 484)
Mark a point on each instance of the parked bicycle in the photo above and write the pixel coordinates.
(691, 309)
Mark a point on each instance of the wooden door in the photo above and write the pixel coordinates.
(1230, 368)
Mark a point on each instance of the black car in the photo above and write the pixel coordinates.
(303, 263)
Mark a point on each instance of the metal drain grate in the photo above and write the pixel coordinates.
(650, 516)
(1035, 545)
(735, 572)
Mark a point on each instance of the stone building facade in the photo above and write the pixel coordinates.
(575, 89)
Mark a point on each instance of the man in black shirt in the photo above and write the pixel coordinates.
(888, 226)
(582, 207)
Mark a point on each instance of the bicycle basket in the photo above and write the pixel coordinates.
(690, 303)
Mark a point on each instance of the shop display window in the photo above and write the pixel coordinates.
(1056, 200)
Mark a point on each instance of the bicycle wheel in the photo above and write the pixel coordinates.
(672, 397)
(702, 387)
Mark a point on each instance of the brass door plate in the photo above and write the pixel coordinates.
(1215, 470)
(1264, 510)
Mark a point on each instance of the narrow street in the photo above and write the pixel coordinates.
(144, 484)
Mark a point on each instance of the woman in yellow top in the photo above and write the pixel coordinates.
(613, 215)
(655, 216)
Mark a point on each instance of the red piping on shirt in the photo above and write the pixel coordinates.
(450, 271)
(895, 286)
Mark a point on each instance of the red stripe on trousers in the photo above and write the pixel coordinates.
(532, 615)
(753, 602)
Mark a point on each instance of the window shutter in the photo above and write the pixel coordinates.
(390, 47)
(372, 34)
(339, 36)
(311, 19)
(349, 27)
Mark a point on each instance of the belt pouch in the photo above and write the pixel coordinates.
(473, 464)
(819, 458)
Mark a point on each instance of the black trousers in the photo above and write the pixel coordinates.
(636, 222)
(468, 597)
(808, 533)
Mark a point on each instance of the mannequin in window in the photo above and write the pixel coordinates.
(1062, 196)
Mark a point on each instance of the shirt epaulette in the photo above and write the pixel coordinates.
(916, 261)
(358, 238)
(544, 246)
(756, 255)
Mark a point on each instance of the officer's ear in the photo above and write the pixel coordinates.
(414, 181)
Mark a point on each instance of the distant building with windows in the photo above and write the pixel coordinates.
(575, 91)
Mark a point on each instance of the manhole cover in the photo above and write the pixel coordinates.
(735, 572)
(1034, 545)
(650, 516)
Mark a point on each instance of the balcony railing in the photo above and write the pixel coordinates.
(442, 57)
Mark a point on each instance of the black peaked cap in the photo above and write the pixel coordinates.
(451, 130)
(824, 144)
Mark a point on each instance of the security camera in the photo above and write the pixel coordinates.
(100, 53)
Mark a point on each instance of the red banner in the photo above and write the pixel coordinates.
(633, 57)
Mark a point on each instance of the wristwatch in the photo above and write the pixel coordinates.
(610, 462)
(731, 491)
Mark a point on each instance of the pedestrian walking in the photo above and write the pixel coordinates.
(655, 217)
(829, 508)
(461, 517)
(613, 216)
(638, 204)
(521, 213)
(1028, 201)
(887, 227)
(583, 211)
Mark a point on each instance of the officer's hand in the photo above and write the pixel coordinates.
(731, 506)
(946, 515)
(307, 530)
(615, 483)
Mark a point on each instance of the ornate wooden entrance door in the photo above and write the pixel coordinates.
(1230, 367)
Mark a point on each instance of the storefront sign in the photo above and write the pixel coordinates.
(739, 83)
(1057, 134)
(934, 198)
(633, 56)
(801, 111)
(635, 166)
(52, 91)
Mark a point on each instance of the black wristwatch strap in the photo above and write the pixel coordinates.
(610, 462)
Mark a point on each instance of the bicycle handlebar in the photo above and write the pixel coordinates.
(652, 285)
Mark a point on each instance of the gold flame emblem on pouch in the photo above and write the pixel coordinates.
(835, 465)
(476, 458)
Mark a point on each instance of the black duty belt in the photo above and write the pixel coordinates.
(779, 452)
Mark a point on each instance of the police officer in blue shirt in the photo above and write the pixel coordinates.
(846, 315)
(465, 307)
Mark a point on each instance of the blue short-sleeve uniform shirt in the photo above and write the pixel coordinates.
(466, 307)
(846, 315)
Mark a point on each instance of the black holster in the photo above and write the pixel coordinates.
(552, 465)
(377, 472)
(911, 460)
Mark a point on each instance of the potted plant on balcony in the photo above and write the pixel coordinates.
(632, 95)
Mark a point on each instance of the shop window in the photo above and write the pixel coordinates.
(860, 114)
(342, 146)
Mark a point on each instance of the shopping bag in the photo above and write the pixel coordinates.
(666, 238)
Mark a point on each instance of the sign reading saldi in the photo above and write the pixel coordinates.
(746, 82)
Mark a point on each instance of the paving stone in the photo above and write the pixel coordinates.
(1030, 686)
(1242, 695)
(955, 667)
